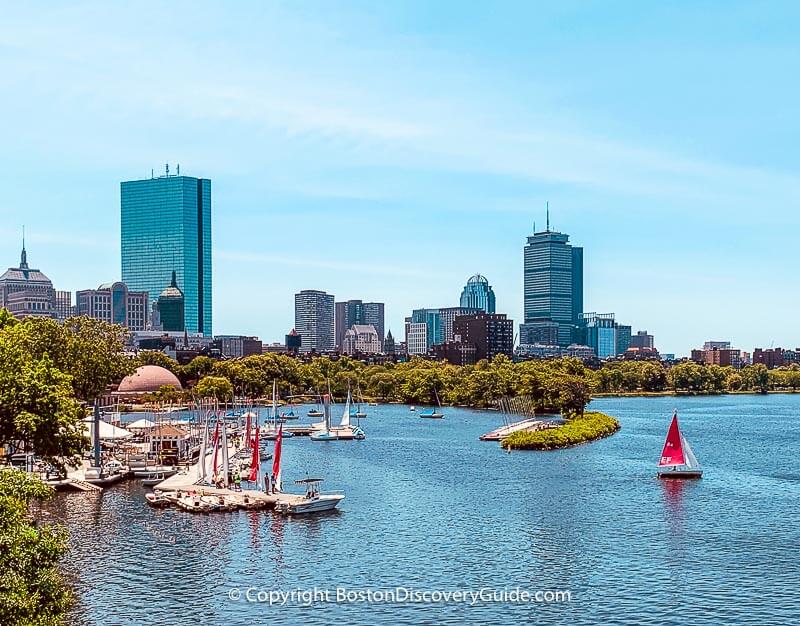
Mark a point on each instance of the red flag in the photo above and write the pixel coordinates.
(276, 460)
(255, 461)
(215, 445)
(672, 454)
(247, 431)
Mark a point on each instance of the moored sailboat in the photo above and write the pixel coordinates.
(433, 413)
(677, 459)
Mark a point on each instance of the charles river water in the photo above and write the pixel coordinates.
(430, 508)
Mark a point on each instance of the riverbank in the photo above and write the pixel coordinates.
(591, 426)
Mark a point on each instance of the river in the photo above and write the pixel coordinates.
(430, 508)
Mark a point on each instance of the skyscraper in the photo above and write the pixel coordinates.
(314, 320)
(478, 294)
(166, 226)
(553, 289)
(352, 312)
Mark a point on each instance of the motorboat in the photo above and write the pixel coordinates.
(157, 499)
(311, 502)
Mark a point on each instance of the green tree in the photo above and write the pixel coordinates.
(214, 387)
(37, 407)
(32, 590)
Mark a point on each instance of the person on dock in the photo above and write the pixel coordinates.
(237, 480)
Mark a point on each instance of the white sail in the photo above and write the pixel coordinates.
(275, 403)
(688, 455)
(345, 423)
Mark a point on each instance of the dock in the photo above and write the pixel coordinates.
(299, 430)
(531, 424)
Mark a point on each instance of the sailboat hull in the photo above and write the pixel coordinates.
(681, 474)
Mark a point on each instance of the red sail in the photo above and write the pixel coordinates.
(276, 460)
(255, 462)
(216, 450)
(672, 454)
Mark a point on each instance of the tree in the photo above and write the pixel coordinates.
(214, 387)
(574, 396)
(32, 592)
(38, 411)
(92, 352)
(154, 357)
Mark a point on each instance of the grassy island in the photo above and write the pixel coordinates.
(590, 426)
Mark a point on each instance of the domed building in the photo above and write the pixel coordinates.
(147, 379)
(478, 294)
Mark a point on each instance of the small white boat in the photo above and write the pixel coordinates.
(677, 459)
(157, 499)
(315, 413)
(312, 502)
(412, 408)
(153, 479)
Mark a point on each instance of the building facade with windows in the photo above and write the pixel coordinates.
(478, 295)
(116, 304)
(361, 339)
(553, 291)
(353, 312)
(314, 314)
(27, 292)
(166, 226)
(600, 334)
(416, 337)
(491, 334)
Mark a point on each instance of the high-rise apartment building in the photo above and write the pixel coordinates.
(416, 337)
(166, 226)
(478, 295)
(314, 320)
(115, 304)
(439, 322)
(553, 293)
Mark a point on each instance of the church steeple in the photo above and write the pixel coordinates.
(23, 258)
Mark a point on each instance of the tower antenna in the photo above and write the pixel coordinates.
(548, 216)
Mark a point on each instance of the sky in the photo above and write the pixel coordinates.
(388, 150)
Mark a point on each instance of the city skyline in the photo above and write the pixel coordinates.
(680, 190)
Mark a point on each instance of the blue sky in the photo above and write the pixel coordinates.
(387, 151)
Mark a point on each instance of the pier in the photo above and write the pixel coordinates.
(498, 434)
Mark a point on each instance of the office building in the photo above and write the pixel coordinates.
(62, 305)
(642, 341)
(314, 320)
(439, 322)
(237, 346)
(115, 304)
(623, 338)
(553, 293)
(491, 334)
(600, 333)
(478, 295)
(166, 227)
(361, 339)
(357, 312)
(27, 292)
(416, 337)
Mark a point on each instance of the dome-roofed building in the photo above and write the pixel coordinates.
(478, 294)
(148, 379)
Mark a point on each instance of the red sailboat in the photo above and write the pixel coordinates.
(677, 459)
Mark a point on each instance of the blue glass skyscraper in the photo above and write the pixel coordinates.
(166, 226)
(478, 294)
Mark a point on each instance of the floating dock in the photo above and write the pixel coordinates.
(498, 434)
